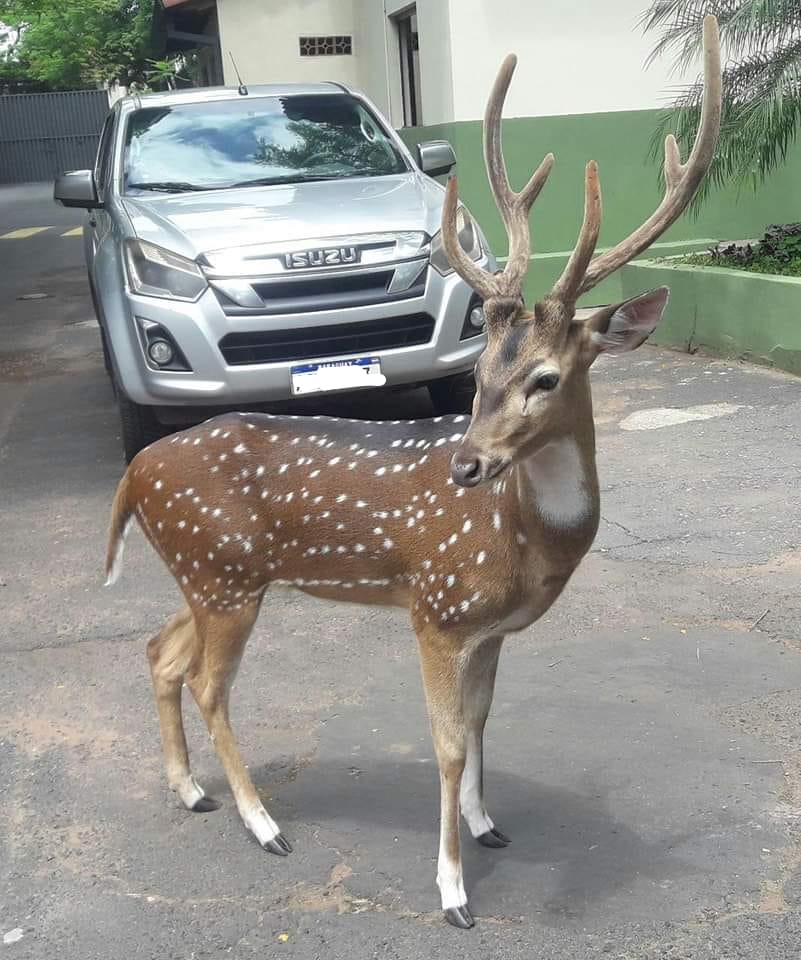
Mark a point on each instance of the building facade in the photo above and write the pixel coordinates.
(582, 90)
(433, 61)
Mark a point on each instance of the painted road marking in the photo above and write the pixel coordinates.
(75, 232)
(23, 233)
(670, 416)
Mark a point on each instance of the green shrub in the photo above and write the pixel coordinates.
(779, 252)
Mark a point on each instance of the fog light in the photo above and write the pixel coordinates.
(476, 317)
(160, 352)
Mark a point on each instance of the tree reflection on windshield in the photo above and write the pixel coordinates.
(255, 139)
(320, 145)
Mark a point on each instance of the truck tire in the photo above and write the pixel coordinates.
(138, 424)
(453, 394)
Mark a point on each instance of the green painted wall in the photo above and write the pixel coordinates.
(619, 142)
(729, 313)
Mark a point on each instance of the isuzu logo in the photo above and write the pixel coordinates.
(321, 257)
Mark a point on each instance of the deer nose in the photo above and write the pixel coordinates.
(467, 469)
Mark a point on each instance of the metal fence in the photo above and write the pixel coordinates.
(42, 134)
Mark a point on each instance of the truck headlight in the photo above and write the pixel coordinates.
(156, 272)
(468, 237)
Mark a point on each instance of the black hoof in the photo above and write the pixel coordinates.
(205, 805)
(459, 917)
(279, 845)
(493, 838)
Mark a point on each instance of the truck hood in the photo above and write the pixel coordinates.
(194, 223)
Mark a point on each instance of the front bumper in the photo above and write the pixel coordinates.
(197, 329)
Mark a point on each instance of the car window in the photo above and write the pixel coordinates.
(251, 140)
(104, 154)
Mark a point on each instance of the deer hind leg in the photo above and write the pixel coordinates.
(171, 653)
(222, 639)
(478, 687)
(442, 678)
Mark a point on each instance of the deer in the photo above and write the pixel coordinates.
(474, 525)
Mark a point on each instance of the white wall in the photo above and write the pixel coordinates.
(575, 56)
(434, 35)
(263, 37)
(371, 41)
(379, 57)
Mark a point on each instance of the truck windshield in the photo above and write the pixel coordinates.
(254, 140)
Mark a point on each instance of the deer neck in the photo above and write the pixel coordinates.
(554, 492)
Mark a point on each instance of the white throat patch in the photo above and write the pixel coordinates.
(557, 477)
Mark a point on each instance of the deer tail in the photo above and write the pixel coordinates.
(121, 520)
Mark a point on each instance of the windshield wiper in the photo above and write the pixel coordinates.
(274, 181)
(168, 186)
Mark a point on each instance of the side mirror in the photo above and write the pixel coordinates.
(76, 188)
(436, 157)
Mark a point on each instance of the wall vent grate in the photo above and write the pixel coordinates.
(326, 46)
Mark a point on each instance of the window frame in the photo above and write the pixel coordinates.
(104, 158)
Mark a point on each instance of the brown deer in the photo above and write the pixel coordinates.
(474, 526)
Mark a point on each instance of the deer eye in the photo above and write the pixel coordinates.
(546, 381)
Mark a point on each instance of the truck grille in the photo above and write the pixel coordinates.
(311, 343)
(328, 292)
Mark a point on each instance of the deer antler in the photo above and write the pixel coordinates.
(513, 207)
(681, 183)
(567, 286)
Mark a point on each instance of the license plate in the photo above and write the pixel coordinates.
(337, 375)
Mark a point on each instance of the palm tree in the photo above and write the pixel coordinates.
(761, 81)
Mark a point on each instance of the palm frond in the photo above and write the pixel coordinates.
(746, 26)
(761, 84)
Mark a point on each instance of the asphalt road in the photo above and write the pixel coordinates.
(643, 747)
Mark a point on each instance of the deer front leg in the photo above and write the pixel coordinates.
(477, 689)
(442, 678)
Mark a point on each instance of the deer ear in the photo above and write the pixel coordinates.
(625, 326)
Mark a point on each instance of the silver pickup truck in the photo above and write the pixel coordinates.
(247, 246)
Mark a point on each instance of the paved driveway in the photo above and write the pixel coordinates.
(643, 747)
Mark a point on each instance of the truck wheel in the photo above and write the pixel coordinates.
(453, 394)
(139, 425)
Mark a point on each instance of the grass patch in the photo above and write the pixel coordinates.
(759, 264)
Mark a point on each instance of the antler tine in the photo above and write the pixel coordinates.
(513, 207)
(505, 198)
(531, 191)
(681, 179)
(484, 283)
(518, 229)
(567, 286)
(493, 148)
